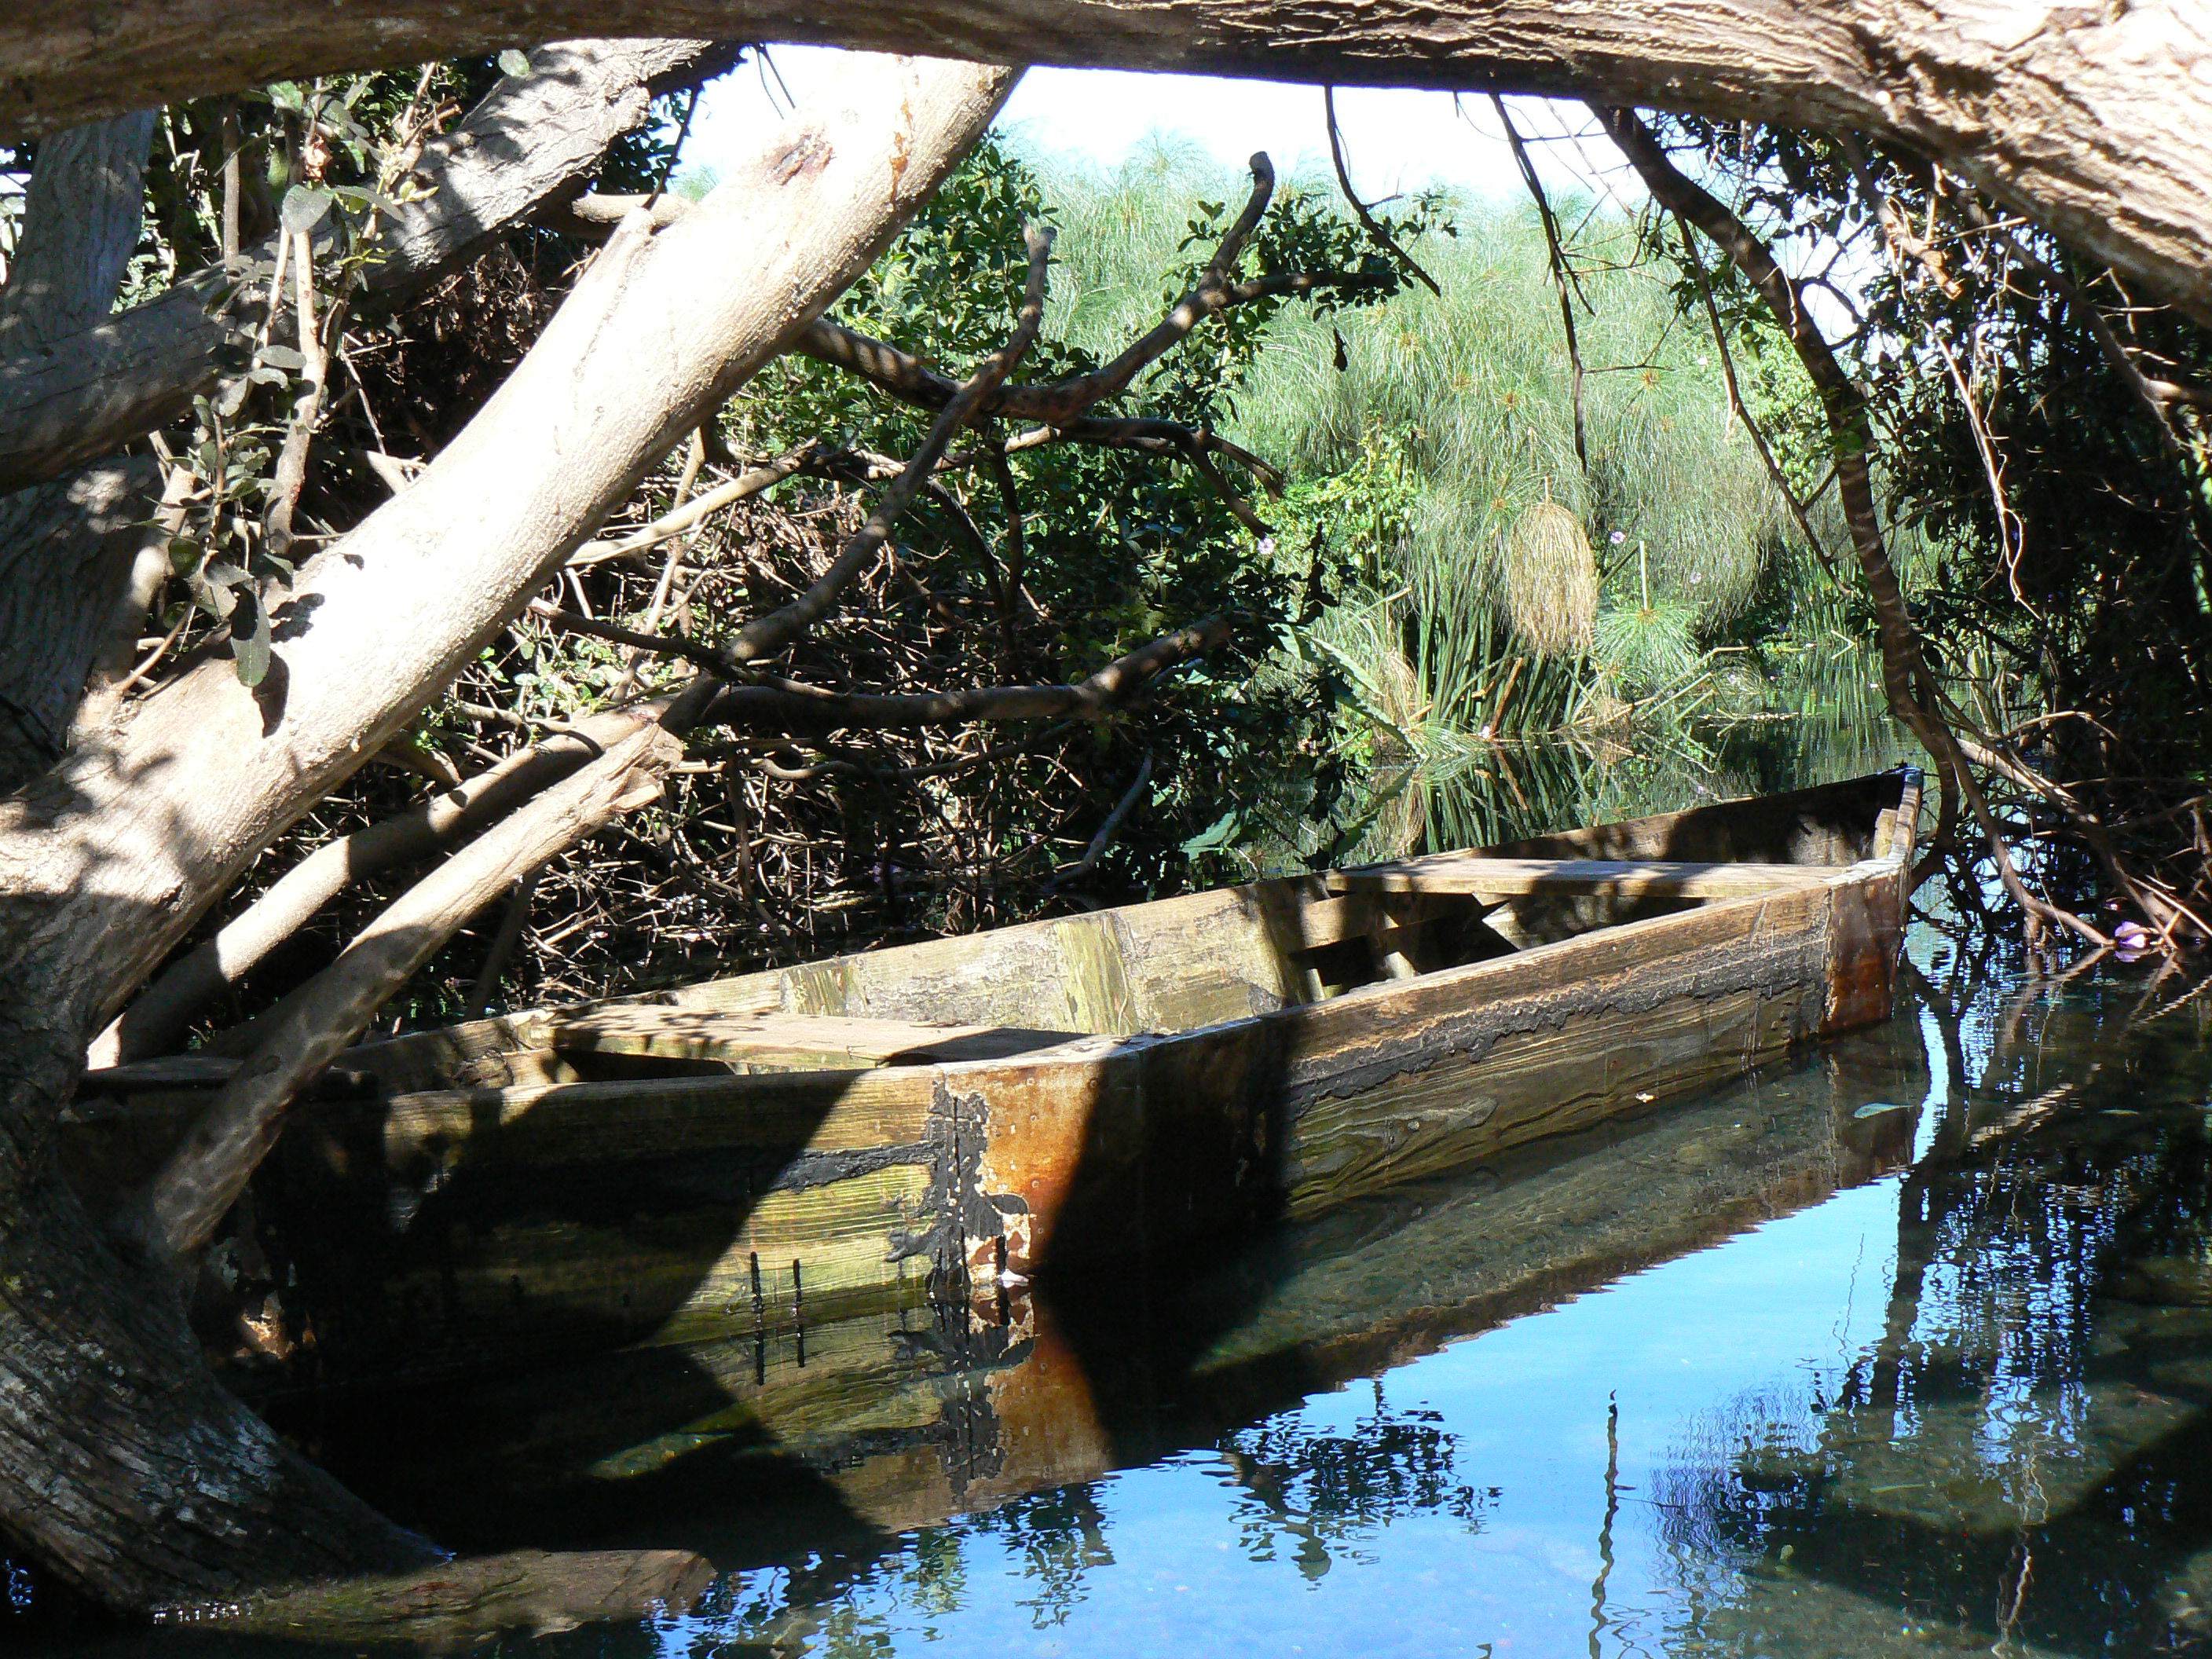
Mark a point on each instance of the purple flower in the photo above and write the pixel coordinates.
(1617, 537)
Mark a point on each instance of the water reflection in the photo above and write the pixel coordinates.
(2018, 1460)
(1906, 1348)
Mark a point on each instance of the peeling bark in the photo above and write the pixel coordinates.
(2094, 119)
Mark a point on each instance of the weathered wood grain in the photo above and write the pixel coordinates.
(1502, 878)
(780, 1042)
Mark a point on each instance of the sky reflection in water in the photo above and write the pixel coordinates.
(1955, 1405)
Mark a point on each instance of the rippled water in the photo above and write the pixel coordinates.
(1903, 1348)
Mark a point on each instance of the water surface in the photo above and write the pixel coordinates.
(1904, 1348)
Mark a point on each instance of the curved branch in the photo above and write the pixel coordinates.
(1382, 238)
(791, 708)
(1907, 680)
(767, 636)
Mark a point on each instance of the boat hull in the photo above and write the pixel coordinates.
(501, 1202)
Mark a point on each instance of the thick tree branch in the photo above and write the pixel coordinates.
(2098, 123)
(134, 843)
(157, 1021)
(179, 1209)
(72, 396)
(80, 219)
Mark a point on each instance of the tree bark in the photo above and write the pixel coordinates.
(66, 545)
(2096, 120)
(157, 1020)
(66, 549)
(182, 1206)
(121, 1463)
(80, 219)
(85, 389)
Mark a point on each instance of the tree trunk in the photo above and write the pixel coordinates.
(88, 385)
(66, 550)
(66, 545)
(2096, 120)
(121, 1463)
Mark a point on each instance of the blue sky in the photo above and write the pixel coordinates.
(1396, 141)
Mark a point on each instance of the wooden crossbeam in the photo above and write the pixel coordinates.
(780, 1041)
(1612, 877)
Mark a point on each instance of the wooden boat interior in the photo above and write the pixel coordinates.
(1174, 964)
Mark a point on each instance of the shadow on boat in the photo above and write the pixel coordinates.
(830, 1440)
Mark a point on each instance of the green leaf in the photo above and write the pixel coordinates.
(512, 62)
(249, 649)
(304, 208)
(1217, 834)
(280, 356)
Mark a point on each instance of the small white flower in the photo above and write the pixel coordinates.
(1267, 546)
(1617, 537)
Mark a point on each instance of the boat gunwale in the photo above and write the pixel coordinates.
(1863, 872)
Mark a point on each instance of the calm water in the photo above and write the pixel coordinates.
(1905, 1349)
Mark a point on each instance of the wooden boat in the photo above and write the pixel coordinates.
(774, 1443)
(825, 1141)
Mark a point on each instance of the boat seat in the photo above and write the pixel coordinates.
(1505, 879)
(778, 1042)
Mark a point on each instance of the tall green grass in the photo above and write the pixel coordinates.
(1425, 440)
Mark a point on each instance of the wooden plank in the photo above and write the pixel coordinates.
(604, 1123)
(780, 1041)
(1624, 878)
(1409, 1078)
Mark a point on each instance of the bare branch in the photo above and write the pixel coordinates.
(797, 710)
(1562, 274)
(808, 458)
(1107, 830)
(767, 637)
(1382, 238)
(179, 1210)
(1910, 686)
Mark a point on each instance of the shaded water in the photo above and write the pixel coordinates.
(1903, 1348)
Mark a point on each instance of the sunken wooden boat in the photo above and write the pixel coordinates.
(816, 1143)
(778, 1441)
